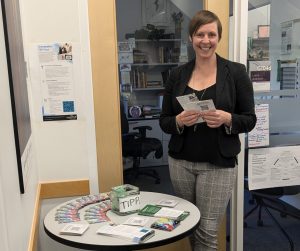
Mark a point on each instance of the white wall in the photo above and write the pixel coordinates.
(3, 222)
(16, 210)
(61, 150)
(66, 149)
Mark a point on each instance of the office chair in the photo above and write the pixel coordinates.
(137, 145)
(268, 198)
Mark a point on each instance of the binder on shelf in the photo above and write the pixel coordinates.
(161, 54)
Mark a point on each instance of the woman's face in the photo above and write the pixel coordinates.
(205, 40)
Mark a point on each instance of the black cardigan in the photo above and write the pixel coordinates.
(234, 94)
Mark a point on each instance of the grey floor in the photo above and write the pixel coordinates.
(256, 238)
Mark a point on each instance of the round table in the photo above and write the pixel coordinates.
(90, 240)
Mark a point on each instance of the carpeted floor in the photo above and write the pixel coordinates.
(269, 236)
(256, 238)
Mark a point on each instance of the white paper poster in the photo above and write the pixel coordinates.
(274, 167)
(57, 81)
(259, 136)
(286, 37)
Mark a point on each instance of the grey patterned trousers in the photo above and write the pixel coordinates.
(209, 188)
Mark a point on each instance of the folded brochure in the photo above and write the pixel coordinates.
(190, 102)
(74, 229)
(163, 212)
(167, 203)
(133, 233)
(136, 221)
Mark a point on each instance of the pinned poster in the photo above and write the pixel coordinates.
(54, 71)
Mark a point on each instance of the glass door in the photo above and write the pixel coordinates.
(273, 57)
(152, 39)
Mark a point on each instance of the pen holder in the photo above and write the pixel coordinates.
(125, 199)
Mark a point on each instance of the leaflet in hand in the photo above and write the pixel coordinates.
(132, 233)
(190, 102)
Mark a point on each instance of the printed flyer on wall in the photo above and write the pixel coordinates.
(274, 167)
(57, 81)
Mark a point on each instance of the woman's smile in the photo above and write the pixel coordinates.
(205, 40)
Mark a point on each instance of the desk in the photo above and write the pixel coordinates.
(90, 240)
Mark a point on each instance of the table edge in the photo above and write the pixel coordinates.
(125, 247)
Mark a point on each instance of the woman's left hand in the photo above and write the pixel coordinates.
(216, 118)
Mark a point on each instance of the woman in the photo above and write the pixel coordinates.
(203, 156)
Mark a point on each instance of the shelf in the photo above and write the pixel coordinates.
(260, 39)
(142, 118)
(156, 64)
(259, 59)
(148, 89)
(160, 40)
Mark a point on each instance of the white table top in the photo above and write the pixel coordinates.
(90, 240)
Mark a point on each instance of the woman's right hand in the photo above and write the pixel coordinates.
(187, 118)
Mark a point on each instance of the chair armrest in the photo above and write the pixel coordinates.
(131, 135)
(142, 130)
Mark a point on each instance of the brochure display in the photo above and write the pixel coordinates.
(110, 231)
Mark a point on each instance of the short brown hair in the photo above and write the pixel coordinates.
(204, 17)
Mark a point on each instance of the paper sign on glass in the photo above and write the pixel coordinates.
(259, 136)
(274, 167)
